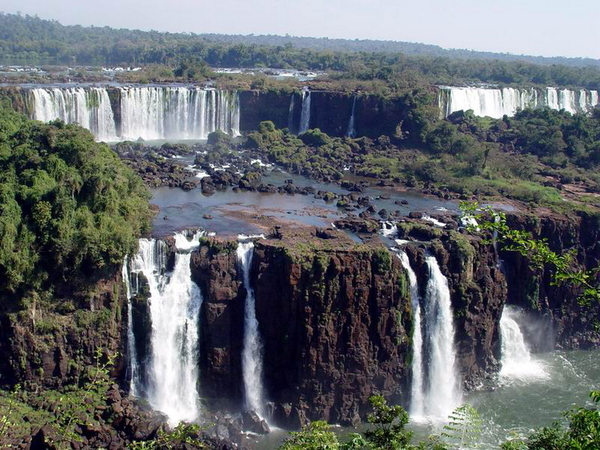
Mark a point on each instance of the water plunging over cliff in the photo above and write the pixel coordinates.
(442, 393)
(291, 126)
(89, 107)
(498, 102)
(351, 131)
(252, 358)
(417, 393)
(517, 361)
(147, 112)
(305, 113)
(175, 302)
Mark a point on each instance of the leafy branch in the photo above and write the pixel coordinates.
(538, 252)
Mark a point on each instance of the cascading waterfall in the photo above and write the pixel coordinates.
(133, 366)
(507, 101)
(305, 113)
(147, 112)
(89, 107)
(442, 392)
(252, 359)
(291, 114)
(351, 131)
(417, 392)
(175, 302)
(517, 361)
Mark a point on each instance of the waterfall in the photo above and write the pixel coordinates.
(252, 361)
(442, 394)
(351, 131)
(291, 127)
(517, 361)
(507, 101)
(389, 229)
(417, 393)
(169, 112)
(305, 113)
(133, 367)
(175, 302)
(147, 112)
(89, 107)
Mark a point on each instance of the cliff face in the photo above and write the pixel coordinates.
(330, 112)
(477, 291)
(573, 324)
(214, 269)
(334, 320)
(51, 349)
(336, 325)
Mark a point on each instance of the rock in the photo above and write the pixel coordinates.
(253, 423)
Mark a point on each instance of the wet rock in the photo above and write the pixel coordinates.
(253, 423)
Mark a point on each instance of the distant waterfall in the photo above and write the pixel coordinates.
(442, 393)
(507, 101)
(175, 303)
(89, 107)
(252, 357)
(516, 356)
(351, 131)
(305, 113)
(147, 112)
(291, 127)
(417, 392)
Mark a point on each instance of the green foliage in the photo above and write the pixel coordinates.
(316, 435)
(69, 211)
(464, 427)
(397, 64)
(537, 251)
(581, 433)
(182, 435)
(389, 426)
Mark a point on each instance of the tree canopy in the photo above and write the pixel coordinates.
(70, 210)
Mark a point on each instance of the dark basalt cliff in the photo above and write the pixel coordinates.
(574, 325)
(477, 290)
(334, 318)
(374, 115)
(336, 322)
(53, 348)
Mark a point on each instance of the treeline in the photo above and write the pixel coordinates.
(30, 39)
(69, 210)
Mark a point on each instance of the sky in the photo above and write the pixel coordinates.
(530, 27)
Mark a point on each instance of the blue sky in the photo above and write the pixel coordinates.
(533, 27)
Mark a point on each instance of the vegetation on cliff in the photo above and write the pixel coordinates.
(70, 210)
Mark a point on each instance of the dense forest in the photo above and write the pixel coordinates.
(29, 39)
(69, 213)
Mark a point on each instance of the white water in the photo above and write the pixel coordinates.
(305, 113)
(517, 361)
(175, 302)
(389, 229)
(436, 222)
(291, 127)
(442, 392)
(150, 113)
(507, 101)
(417, 392)
(89, 107)
(133, 366)
(252, 359)
(351, 131)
